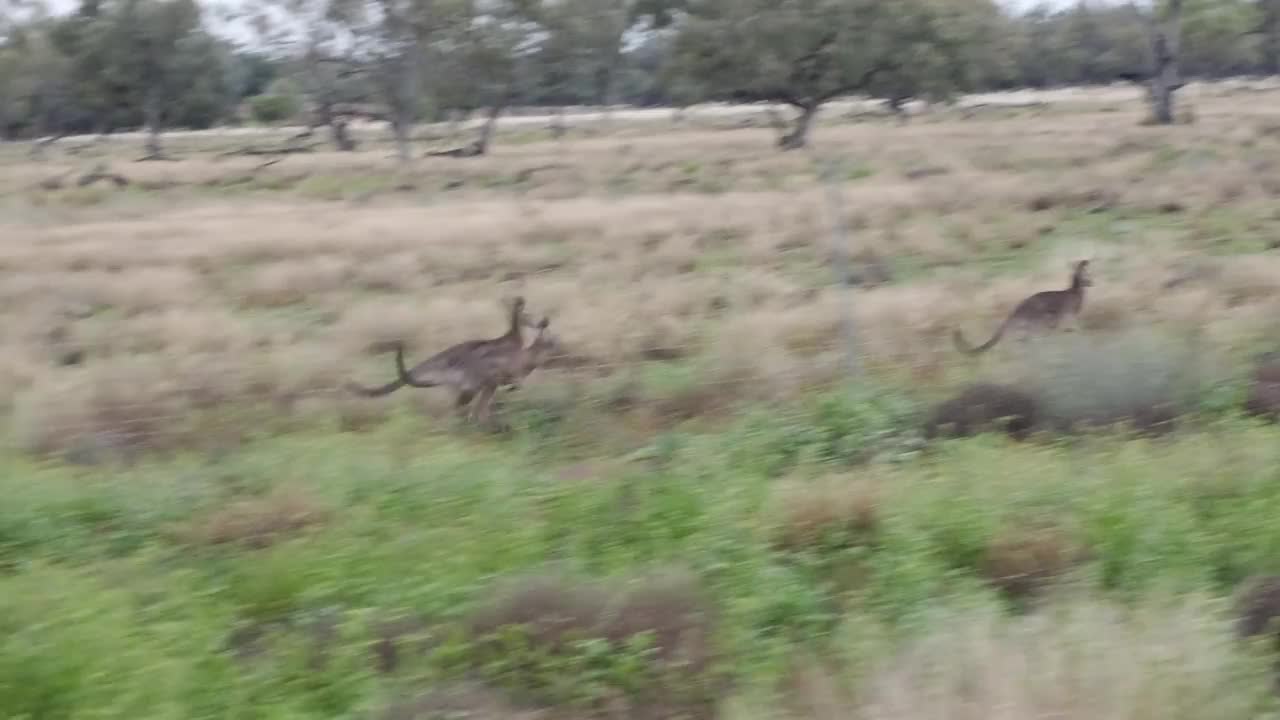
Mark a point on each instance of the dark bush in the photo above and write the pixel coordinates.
(1263, 399)
(983, 406)
(1258, 606)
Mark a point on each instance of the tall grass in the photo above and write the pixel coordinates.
(1079, 658)
(1144, 377)
(273, 575)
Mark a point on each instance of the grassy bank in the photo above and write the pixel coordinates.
(759, 569)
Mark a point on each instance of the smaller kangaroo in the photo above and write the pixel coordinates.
(1045, 309)
(458, 355)
(478, 378)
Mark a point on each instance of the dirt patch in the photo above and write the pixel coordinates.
(1263, 399)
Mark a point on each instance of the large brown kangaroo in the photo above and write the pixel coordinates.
(479, 377)
(1045, 309)
(459, 355)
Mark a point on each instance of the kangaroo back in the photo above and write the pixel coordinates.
(448, 367)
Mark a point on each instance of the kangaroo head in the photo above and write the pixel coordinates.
(1080, 275)
(519, 318)
(545, 344)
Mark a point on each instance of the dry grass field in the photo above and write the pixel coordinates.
(685, 269)
(699, 513)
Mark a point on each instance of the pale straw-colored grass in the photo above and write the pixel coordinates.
(694, 246)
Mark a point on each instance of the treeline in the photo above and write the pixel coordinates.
(114, 64)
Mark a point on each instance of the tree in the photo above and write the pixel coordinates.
(952, 46)
(14, 14)
(641, 79)
(370, 48)
(1164, 19)
(39, 84)
(280, 102)
(1221, 38)
(1269, 28)
(805, 53)
(316, 43)
(110, 64)
(389, 41)
(583, 56)
(252, 73)
(486, 61)
(96, 53)
(167, 50)
(10, 95)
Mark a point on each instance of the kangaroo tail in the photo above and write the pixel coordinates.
(405, 376)
(379, 391)
(958, 338)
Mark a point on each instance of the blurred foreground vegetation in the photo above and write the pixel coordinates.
(804, 560)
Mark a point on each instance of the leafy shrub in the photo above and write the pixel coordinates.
(561, 641)
(848, 426)
(1075, 659)
(273, 109)
(1142, 377)
(831, 512)
(68, 643)
(1020, 561)
(255, 522)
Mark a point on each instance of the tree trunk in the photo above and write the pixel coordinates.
(613, 62)
(491, 124)
(1271, 36)
(606, 95)
(400, 133)
(43, 134)
(337, 126)
(558, 128)
(405, 95)
(341, 138)
(1165, 79)
(454, 129)
(798, 136)
(898, 107)
(154, 114)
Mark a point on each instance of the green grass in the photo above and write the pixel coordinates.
(832, 554)
(112, 609)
